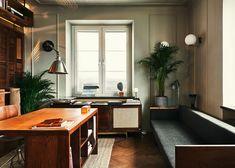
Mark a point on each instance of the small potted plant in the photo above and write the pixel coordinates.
(161, 63)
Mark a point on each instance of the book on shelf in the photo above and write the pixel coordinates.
(132, 102)
(53, 123)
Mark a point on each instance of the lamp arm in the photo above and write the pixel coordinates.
(57, 53)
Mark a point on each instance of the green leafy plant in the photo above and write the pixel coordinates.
(34, 91)
(161, 63)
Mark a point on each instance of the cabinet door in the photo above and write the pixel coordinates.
(125, 117)
(103, 118)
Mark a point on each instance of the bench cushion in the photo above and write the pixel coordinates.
(170, 133)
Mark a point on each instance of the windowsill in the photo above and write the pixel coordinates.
(104, 97)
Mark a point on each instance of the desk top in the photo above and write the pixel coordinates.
(24, 123)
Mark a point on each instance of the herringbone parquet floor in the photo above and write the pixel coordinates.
(136, 151)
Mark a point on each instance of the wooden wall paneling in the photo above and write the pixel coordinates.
(11, 48)
(207, 24)
(200, 53)
(3, 53)
(215, 58)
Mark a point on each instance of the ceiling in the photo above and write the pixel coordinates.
(111, 2)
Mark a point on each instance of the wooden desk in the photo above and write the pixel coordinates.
(50, 148)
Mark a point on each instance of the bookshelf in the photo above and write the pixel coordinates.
(16, 13)
(84, 142)
(88, 139)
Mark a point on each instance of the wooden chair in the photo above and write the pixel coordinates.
(7, 112)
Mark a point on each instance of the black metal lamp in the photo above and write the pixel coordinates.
(58, 66)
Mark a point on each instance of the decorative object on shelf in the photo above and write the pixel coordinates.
(120, 88)
(2, 4)
(161, 63)
(136, 92)
(58, 66)
(34, 91)
(191, 40)
(175, 86)
(15, 12)
(90, 89)
(15, 98)
(193, 100)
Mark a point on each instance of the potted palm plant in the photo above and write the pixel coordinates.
(34, 91)
(161, 63)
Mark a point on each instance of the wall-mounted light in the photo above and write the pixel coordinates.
(164, 44)
(192, 39)
(58, 66)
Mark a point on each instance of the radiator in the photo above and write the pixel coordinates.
(125, 118)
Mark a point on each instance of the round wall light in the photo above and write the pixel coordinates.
(164, 44)
(190, 39)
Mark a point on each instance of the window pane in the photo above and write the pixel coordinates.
(115, 61)
(115, 41)
(87, 77)
(88, 40)
(112, 78)
(88, 61)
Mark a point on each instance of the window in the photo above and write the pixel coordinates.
(102, 57)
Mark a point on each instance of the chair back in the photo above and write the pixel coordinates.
(8, 111)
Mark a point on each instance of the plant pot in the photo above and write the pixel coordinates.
(161, 101)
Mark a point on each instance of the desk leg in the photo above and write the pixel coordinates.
(47, 151)
(95, 129)
(76, 152)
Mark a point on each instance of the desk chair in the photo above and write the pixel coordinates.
(7, 112)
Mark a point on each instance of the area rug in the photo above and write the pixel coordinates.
(105, 146)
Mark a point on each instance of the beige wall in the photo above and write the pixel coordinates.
(151, 24)
(206, 21)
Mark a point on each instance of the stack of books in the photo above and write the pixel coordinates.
(53, 123)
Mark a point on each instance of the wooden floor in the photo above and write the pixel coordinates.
(136, 151)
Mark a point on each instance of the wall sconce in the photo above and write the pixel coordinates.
(191, 40)
(58, 66)
(164, 44)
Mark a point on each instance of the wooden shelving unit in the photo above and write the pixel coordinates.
(12, 40)
(84, 141)
(11, 56)
(25, 21)
(88, 139)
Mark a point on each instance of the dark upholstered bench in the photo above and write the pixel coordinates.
(190, 138)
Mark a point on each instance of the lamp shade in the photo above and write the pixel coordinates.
(58, 67)
(190, 39)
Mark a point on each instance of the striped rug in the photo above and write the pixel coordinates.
(101, 160)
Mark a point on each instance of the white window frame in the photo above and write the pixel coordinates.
(102, 29)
